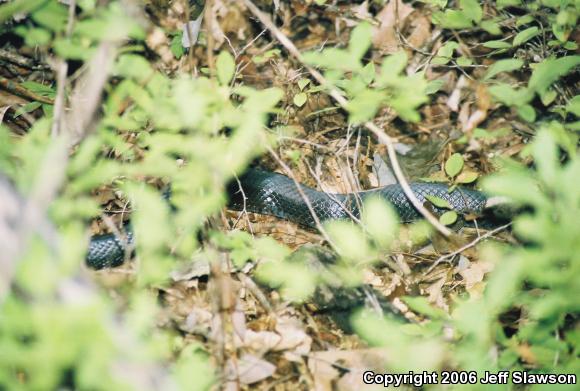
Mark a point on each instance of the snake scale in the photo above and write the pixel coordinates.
(277, 195)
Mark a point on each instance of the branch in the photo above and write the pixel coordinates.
(341, 100)
(61, 73)
(467, 246)
(317, 221)
(17, 89)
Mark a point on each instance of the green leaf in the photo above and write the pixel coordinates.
(509, 96)
(11, 8)
(350, 242)
(470, 15)
(433, 86)
(503, 66)
(302, 83)
(438, 3)
(448, 217)
(392, 66)
(439, 202)
(40, 89)
(574, 106)
(37, 37)
(360, 40)
(527, 113)
(225, 67)
(368, 73)
(445, 53)
(266, 56)
(524, 19)
(421, 305)
(491, 26)
(472, 10)
(497, 45)
(300, 99)
(72, 50)
(176, 46)
(548, 97)
(364, 105)
(526, 35)
(133, 66)
(454, 165)
(570, 45)
(333, 58)
(27, 108)
(467, 177)
(464, 61)
(548, 71)
(52, 16)
(380, 221)
(452, 19)
(296, 281)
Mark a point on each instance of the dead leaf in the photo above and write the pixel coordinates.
(455, 97)
(294, 339)
(343, 370)
(420, 31)
(261, 341)
(248, 369)
(436, 294)
(384, 37)
(475, 273)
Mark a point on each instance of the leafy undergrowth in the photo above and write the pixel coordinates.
(103, 110)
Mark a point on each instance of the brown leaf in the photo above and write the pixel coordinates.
(249, 369)
(475, 272)
(420, 31)
(343, 370)
(384, 37)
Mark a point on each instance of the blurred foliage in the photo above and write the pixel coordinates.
(51, 338)
(369, 90)
(538, 280)
(57, 331)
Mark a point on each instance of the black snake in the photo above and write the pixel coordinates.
(277, 195)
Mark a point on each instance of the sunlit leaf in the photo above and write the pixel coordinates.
(448, 217)
(225, 67)
(503, 66)
(467, 177)
(438, 201)
(300, 99)
(548, 71)
(526, 35)
(454, 165)
(380, 221)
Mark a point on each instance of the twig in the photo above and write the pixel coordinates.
(289, 172)
(61, 73)
(257, 292)
(341, 100)
(86, 96)
(17, 89)
(17, 59)
(467, 246)
(209, 13)
(244, 212)
(333, 197)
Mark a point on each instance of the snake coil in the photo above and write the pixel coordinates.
(277, 195)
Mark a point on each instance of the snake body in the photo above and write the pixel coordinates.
(277, 195)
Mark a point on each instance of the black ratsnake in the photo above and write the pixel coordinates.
(277, 195)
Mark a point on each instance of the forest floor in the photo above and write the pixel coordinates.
(264, 341)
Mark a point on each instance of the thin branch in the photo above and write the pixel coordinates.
(342, 101)
(61, 73)
(19, 90)
(289, 172)
(467, 246)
